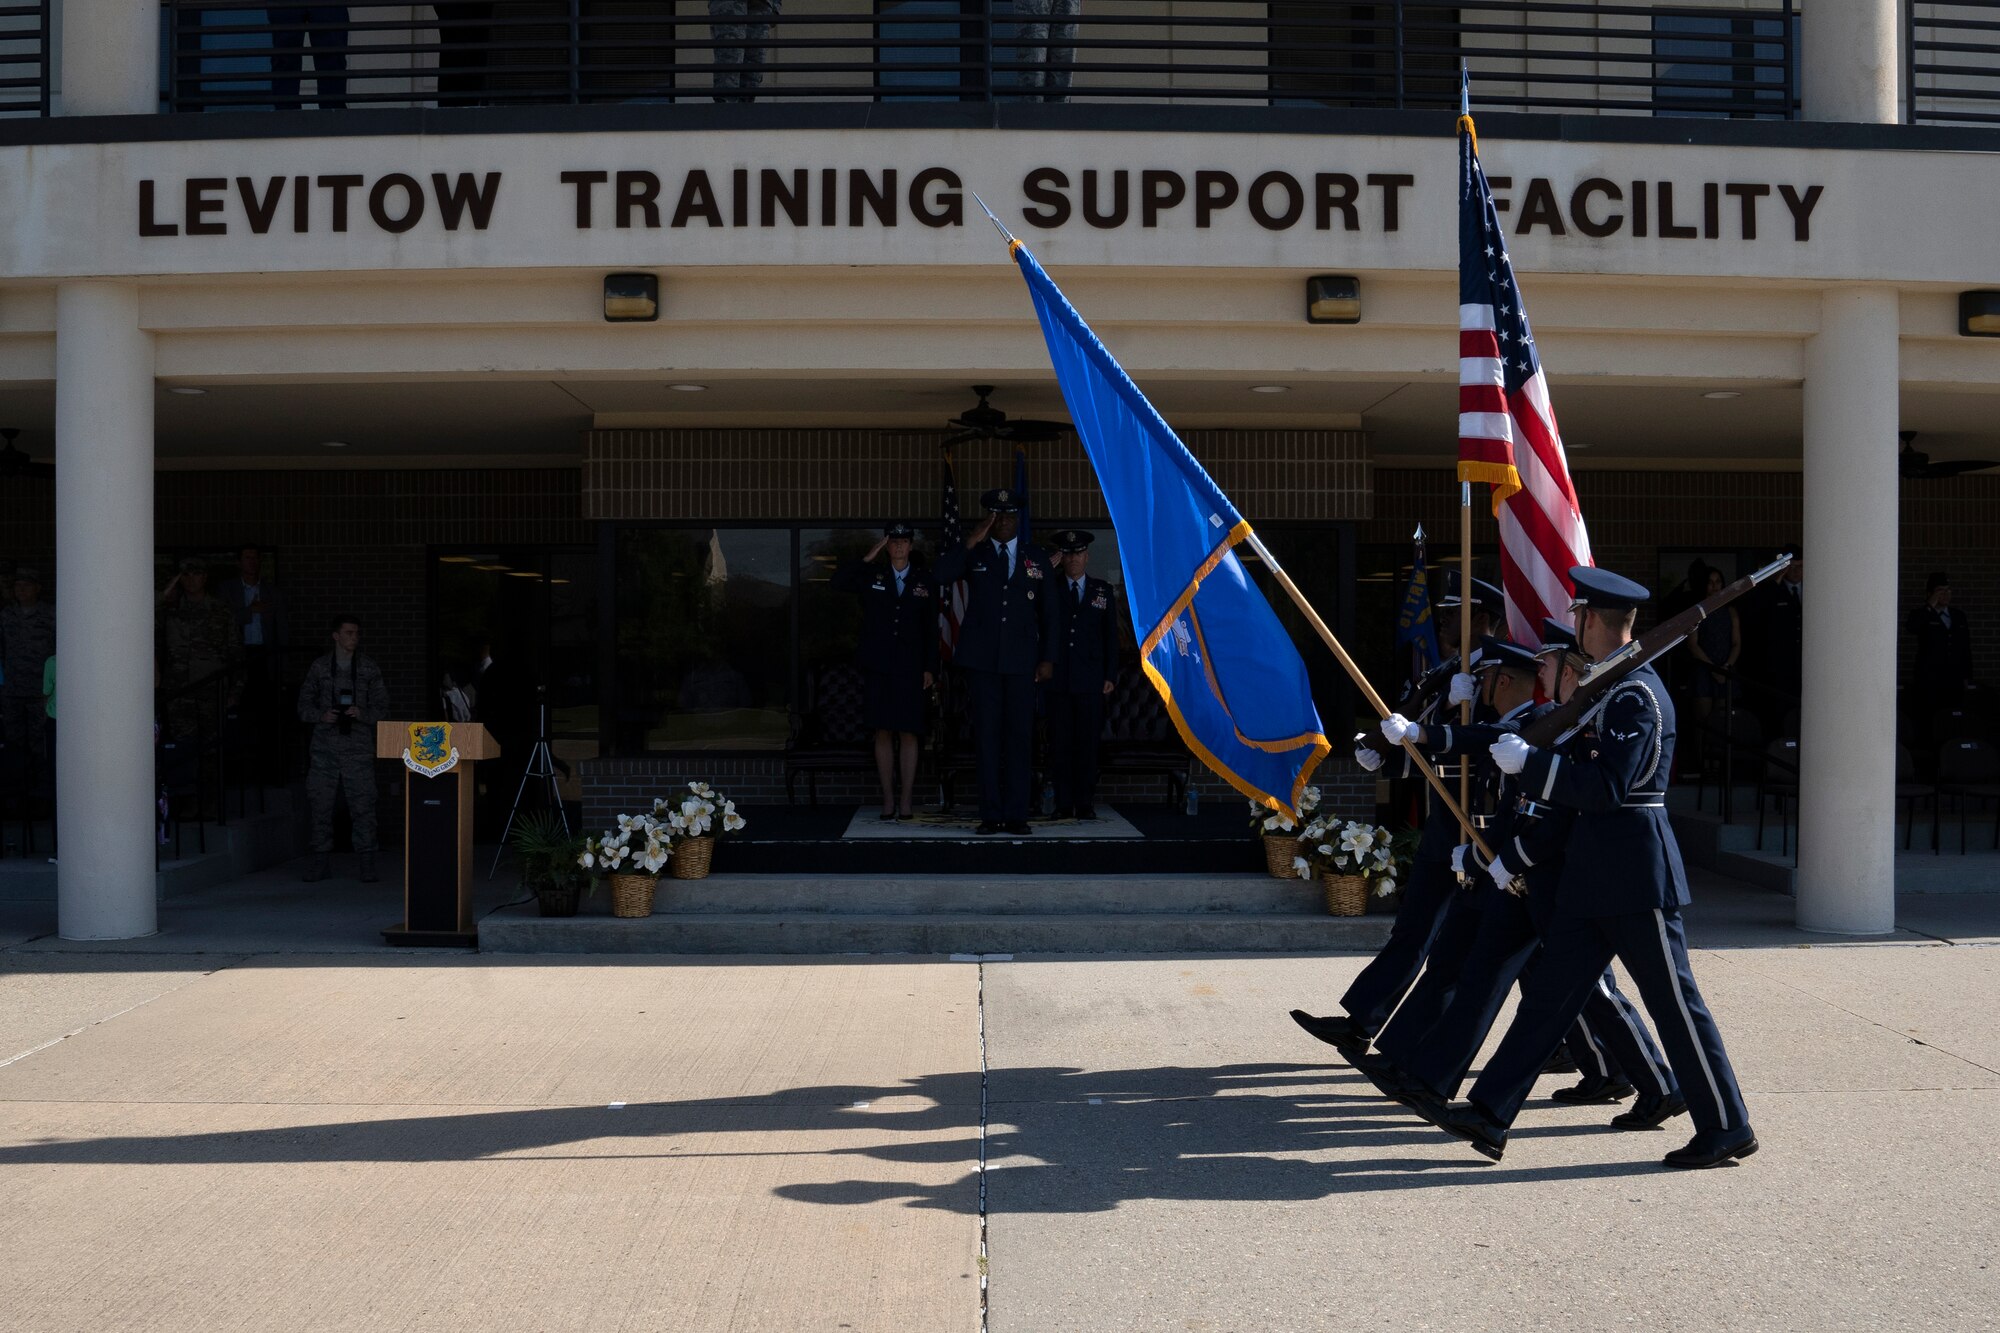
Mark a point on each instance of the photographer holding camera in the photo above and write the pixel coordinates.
(343, 697)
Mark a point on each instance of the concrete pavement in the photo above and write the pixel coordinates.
(228, 1137)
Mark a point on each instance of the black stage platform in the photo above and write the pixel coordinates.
(808, 839)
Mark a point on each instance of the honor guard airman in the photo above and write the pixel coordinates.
(1429, 1045)
(897, 653)
(1008, 640)
(1619, 894)
(1073, 700)
(1382, 984)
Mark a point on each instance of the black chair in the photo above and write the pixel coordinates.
(1739, 734)
(1954, 724)
(1139, 737)
(827, 735)
(1779, 784)
(1909, 791)
(1969, 770)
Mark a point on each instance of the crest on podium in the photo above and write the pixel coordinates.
(430, 751)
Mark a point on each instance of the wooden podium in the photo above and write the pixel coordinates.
(438, 759)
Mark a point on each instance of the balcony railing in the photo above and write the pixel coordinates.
(24, 59)
(1951, 62)
(1540, 55)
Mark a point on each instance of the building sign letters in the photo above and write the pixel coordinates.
(1050, 199)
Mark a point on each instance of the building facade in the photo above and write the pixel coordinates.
(343, 294)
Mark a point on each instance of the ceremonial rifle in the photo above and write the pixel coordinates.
(1560, 723)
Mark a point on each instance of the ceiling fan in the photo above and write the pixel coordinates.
(986, 422)
(15, 463)
(1914, 465)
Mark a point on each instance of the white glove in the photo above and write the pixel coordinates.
(1366, 757)
(1510, 754)
(1395, 727)
(1464, 689)
(1458, 858)
(1500, 874)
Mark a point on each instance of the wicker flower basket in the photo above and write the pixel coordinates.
(1346, 895)
(692, 857)
(1279, 849)
(561, 901)
(632, 895)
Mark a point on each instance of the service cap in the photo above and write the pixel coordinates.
(900, 529)
(1485, 597)
(1506, 655)
(1001, 501)
(1601, 590)
(1069, 541)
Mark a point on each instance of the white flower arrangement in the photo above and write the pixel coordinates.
(639, 845)
(1270, 823)
(1349, 847)
(702, 812)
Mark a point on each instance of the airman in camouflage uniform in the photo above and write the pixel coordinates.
(342, 686)
(1046, 68)
(27, 641)
(199, 638)
(740, 34)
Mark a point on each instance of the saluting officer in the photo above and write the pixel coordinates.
(897, 654)
(1008, 640)
(1619, 895)
(1074, 700)
(1380, 987)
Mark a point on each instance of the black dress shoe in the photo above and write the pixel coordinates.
(1594, 1090)
(1337, 1030)
(1713, 1148)
(1085, 812)
(1390, 1081)
(1562, 1062)
(1019, 827)
(1463, 1120)
(989, 827)
(1063, 814)
(887, 816)
(1651, 1112)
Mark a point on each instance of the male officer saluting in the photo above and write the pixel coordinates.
(1074, 700)
(1008, 640)
(1619, 894)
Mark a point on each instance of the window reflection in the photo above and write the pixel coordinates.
(703, 627)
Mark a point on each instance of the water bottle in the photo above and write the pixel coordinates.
(1193, 799)
(1048, 798)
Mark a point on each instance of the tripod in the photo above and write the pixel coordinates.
(541, 765)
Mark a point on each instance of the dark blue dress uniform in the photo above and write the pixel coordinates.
(1008, 629)
(1427, 891)
(1607, 1038)
(898, 644)
(1073, 699)
(1618, 895)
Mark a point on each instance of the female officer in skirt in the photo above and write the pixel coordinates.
(898, 655)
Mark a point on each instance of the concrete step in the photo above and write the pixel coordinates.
(519, 930)
(988, 895)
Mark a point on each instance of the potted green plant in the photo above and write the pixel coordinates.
(549, 866)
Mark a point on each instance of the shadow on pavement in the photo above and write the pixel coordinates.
(1162, 1133)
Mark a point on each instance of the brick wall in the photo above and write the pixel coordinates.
(868, 474)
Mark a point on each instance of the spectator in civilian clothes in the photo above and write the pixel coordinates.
(1717, 642)
(258, 607)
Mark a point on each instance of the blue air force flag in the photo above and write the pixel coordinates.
(1232, 681)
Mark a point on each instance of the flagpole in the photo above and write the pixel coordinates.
(1464, 626)
(1354, 671)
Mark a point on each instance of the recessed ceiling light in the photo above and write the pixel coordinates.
(687, 388)
(458, 559)
(333, 444)
(493, 569)
(1270, 388)
(522, 574)
(1719, 394)
(186, 390)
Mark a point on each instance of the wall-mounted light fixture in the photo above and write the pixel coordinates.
(1333, 298)
(1979, 314)
(631, 298)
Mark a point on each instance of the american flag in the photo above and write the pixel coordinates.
(1507, 431)
(951, 608)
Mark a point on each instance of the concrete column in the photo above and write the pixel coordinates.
(1850, 63)
(104, 613)
(110, 58)
(1847, 725)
